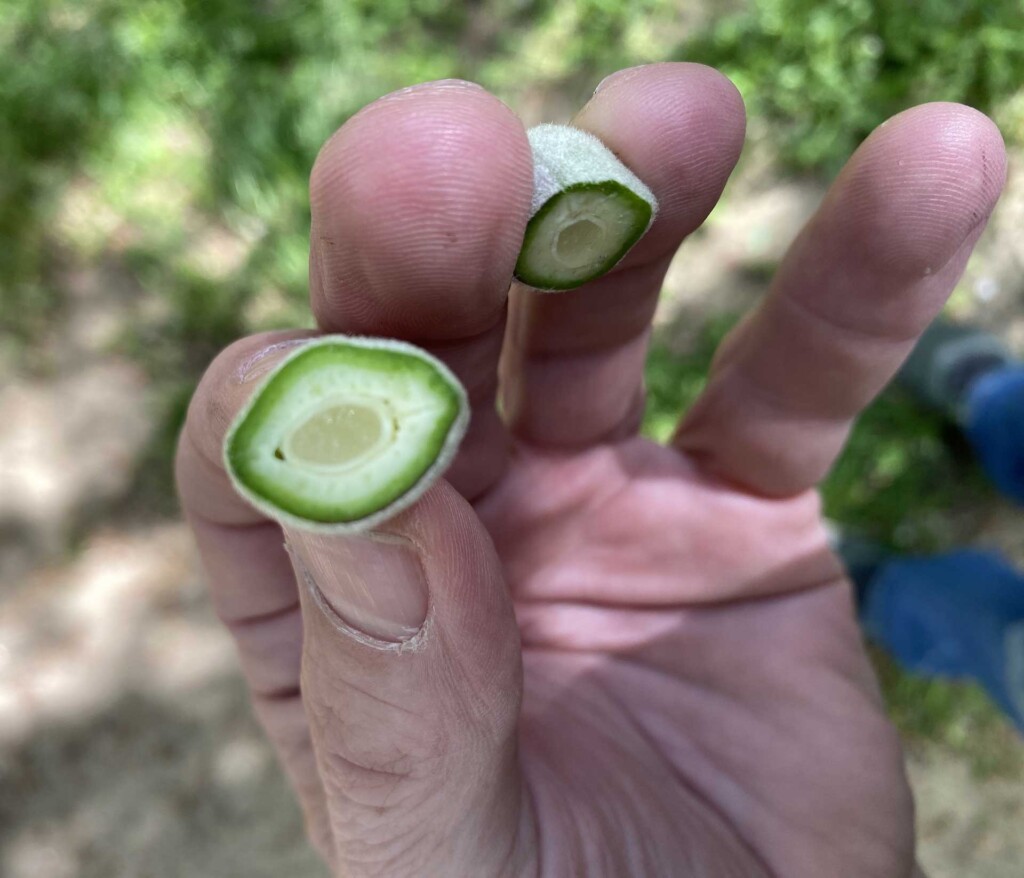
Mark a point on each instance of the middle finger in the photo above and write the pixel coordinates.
(573, 366)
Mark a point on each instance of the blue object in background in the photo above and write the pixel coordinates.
(993, 421)
(959, 614)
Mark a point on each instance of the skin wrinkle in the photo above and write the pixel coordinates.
(630, 423)
(891, 314)
(580, 508)
(284, 693)
(752, 378)
(767, 806)
(652, 744)
(550, 623)
(567, 581)
(771, 454)
(612, 316)
(345, 773)
(588, 822)
(822, 393)
(233, 598)
(581, 564)
(256, 619)
(869, 267)
(271, 654)
(381, 770)
(776, 403)
(805, 659)
(482, 456)
(348, 685)
(571, 383)
(859, 335)
(470, 361)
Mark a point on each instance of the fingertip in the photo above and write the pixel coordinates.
(203, 485)
(419, 203)
(672, 91)
(323, 164)
(680, 127)
(920, 185)
(969, 136)
(714, 84)
(230, 379)
(954, 134)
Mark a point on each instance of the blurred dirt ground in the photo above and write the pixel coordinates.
(126, 744)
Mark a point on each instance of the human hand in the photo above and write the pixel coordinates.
(585, 653)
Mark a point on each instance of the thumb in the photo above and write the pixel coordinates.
(412, 682)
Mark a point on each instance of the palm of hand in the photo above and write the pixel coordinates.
(696, 690)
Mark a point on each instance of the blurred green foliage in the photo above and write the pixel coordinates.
(173, 113)
(135, 134)
(178, 114)
(823, 75)
(58, 102)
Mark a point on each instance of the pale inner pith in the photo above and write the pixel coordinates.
(336, 435)
(579, 243)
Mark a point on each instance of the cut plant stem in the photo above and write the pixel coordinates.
(588, 210)
(346, 432)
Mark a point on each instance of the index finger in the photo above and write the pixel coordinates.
(419, 204)
(573, 371)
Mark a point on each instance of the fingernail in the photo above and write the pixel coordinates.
(434, 85)
(375, 583)
(260, 363)
(604, 83)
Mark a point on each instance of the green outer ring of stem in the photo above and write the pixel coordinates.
(275, 499)
(610, 188)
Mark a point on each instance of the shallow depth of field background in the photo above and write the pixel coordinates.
(153, 207)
